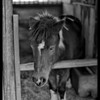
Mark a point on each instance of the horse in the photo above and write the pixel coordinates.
(54, 39)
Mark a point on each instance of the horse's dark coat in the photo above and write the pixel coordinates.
(46, 28)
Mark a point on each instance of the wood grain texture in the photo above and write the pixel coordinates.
(64, 64)
(8, 53)
(91, 32)
(86, 14)
(83, 4)
(17, 61)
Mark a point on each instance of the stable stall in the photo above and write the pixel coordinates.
(15, 13)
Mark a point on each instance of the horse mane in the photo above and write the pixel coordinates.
(45, 22)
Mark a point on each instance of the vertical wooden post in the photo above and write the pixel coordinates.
(85, 29)
(8, 79)
(87, 16)
(17, 58)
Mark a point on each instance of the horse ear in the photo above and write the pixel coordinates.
(58, 26)
(32, 22)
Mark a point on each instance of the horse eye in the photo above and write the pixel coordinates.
(51, 48)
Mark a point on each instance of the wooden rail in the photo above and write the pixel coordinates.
(83, 4)
(64, 64)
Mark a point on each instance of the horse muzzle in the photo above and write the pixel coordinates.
(40, 82)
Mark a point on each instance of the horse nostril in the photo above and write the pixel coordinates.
(39, 82)
(34, 79)
(43, 80)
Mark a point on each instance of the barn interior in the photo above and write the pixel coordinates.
(84, 73)
(82, 10)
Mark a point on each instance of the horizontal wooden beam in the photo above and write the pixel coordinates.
(83, 4)
(64, 64)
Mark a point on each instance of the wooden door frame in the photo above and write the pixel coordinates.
(8, 77)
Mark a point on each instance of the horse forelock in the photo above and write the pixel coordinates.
(45, 22)
(40, 31)
(46, 14)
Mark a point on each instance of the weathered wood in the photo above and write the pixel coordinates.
(85, 30)
(87, 16)
(8, 53)
(64, 64)
(83, 4)
(17, 60)
(3, 76)
(91, 32)
(84, 82)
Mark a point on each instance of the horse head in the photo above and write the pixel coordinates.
(45, 42)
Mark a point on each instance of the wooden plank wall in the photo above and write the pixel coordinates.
(8, 79)
(87, 16)
(96, 31)
(92, 2)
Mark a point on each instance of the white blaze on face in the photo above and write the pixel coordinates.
(41, 46)
(61, 44)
